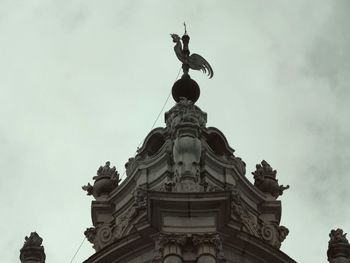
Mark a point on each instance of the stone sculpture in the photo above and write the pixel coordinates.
(265, 180)
(107, 179)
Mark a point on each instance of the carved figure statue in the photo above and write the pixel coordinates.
(34, 240)
(337, 236)
(194, 61)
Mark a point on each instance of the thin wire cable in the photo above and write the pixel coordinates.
(77, 250)
(155, 121)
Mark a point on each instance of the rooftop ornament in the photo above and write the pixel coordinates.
(186, 87)
(32, 250)
(338, 247)
(265, 180)
(106, 181)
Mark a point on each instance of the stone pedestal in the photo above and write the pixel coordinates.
(32, 250)
(338, 247)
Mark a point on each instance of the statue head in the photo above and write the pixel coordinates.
(175, 37)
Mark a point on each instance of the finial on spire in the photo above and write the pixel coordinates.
(194, 61)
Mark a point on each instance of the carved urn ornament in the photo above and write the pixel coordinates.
(265, 180)
(338, 247)
(107, 179)
(32, 250)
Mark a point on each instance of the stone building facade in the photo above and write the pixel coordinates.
(186, 199)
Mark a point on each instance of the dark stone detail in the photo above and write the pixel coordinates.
(213, 240)
(269, 231)
(32, 250)
(172, 238)
(208, 187)
(194, 61)
(131, 164)
(185, 88)
(153, 144)
(265, 180)
(274, 234)
(106, 181)
(240, 211)
(217, 144)
(166, 240)
(167, 186)
(103, 234)
(90, 234)
(184, 113)
(139, 204)
(239, 164)
(338, 247)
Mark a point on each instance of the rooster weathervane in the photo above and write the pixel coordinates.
(193, 61)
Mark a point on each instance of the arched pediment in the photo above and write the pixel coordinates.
(217, 142)
(153, 142)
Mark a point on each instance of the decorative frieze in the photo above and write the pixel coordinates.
(241, 212)
(138, 205)
(269, 231)
(105, 233)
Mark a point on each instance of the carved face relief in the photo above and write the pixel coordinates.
(187, 152)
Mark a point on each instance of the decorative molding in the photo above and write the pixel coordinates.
(268, 231)
(139, 204)
(166, 240)
(241, 212)
(274, 234)
(172, 238)
(185, 112)
(90, 234)
(212, 240)
(100, 236)
(106, 233)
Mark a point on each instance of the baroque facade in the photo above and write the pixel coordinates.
(186, 198)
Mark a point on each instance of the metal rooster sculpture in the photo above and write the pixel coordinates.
(193, 61)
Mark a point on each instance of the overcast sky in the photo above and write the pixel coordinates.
(82, 82)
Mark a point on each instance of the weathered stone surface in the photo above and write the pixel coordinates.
(187, 199)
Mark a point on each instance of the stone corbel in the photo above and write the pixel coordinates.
(274, 234)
